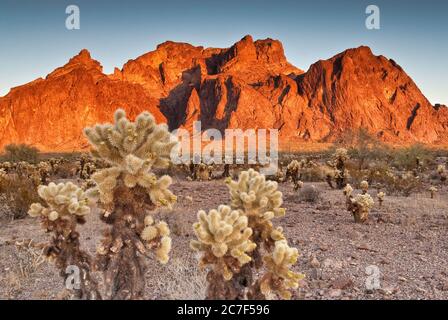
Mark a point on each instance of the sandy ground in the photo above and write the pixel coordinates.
(404, 243)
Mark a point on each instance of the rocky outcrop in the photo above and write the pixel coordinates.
(249, 85)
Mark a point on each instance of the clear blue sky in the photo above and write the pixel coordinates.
(34, 40)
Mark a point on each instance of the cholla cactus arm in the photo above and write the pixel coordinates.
(65, 207)
(279, 278)
(364, 185)
(157, 235)
(432, 191)
(380, 197)
(142, 138)
(348, 190)
(256, 196)
(224, 243)
(261, 201)
(224, 237)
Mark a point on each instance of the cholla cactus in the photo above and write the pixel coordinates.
(127, 191)
(280, 279)
(432, 191)
(201, 171)
(364, 185)
(361, 205)
(293, 170)
(338, 162)
(441, 170)
(298, 185)
(380, 197)
(348, 190)
(255, 202)
(65, 207)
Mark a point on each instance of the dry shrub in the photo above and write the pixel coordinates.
(29, 257)
(65, 170)
(20, 152)
(310, 193)
(415, 157)
(313, 174)
(363, 147)
(182, 279)
(18, 193)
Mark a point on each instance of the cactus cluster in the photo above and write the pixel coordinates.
(201, 171)
(238, 239)
(128, 193)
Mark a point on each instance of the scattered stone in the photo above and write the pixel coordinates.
(342, 283)
(366, 247)
(314, 262)
(332, 264)
(334, 293)
(316, 274)
(387, 291)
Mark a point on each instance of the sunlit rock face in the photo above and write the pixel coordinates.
(249, 85)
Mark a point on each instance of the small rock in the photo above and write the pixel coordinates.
(316, 274)
(443, 285)
(334, 293)
(366, 247)
(332, 264)
(387, 291)
(421, 290)
(403, 279)
(342, 283)
(355, 235)
(314, 262)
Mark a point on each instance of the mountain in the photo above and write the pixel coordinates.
(249, 85)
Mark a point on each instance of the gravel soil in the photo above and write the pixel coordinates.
(400, 253)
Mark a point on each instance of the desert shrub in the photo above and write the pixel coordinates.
(313, 174)
(238, 240)
(363, 147)
(310, 193)
(415, 157)
(20, 152)
(18, 193)
(402, 184)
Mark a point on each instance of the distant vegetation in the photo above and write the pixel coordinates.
(20, 152)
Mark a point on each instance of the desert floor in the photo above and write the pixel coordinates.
(406, 240)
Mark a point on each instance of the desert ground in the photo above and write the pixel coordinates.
(405, 239)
